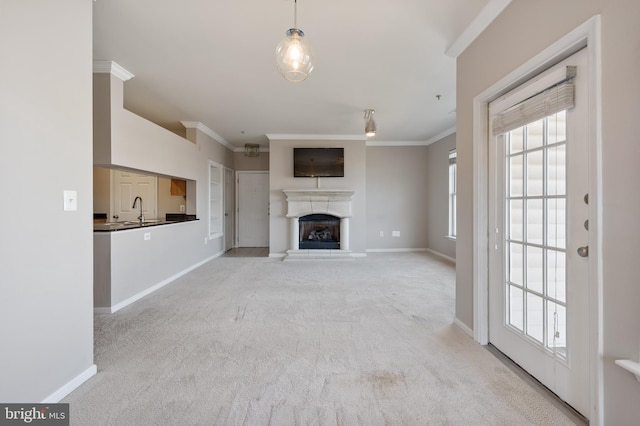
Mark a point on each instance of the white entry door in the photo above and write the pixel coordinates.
(125, 188)
(538, 272)
(253, 209)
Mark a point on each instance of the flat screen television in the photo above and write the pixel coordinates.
(318, 162)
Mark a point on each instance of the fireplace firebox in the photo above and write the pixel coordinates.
(319, 231)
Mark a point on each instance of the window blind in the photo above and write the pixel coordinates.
(549, 101)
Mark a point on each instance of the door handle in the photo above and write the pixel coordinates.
(583, 251)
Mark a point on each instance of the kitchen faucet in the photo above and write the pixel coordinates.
(141, 217)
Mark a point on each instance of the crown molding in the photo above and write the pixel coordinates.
(441, 135)
(207, 131)
(436, 138)
(307, 137)
(110, 67)
(395, 143)
(477, 26)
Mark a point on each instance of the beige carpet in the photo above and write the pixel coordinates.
(258, 341)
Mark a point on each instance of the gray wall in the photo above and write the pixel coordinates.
(46, 306)
(396, 197)
(125, 140)
(281, 177)
(101, 190)
(437, 196)
(260, 163)
(523, 30)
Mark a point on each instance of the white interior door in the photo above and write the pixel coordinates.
(253, 209)
(126, 186)
(538, 274)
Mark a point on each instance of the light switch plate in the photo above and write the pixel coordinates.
(395, 233)
(70, 200)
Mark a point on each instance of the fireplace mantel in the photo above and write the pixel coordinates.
(301, 202)
(334, 202)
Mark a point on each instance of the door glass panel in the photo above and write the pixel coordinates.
(556, 170)
(534, 269)
(534, 221)
(516, 173)
(556, 216)
(556, 275)
(515, 223)
(534, 173)
(516, 307)
(535, 317)
(536, 216)
(515, 263)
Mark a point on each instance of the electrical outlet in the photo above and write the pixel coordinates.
(181, 207)
(147, 236)
(382, 233)
(206, 240)
(395, 233)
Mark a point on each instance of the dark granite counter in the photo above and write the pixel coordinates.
(134, 224)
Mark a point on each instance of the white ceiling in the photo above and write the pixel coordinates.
(213, 61)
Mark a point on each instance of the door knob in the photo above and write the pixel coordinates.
(583, 251)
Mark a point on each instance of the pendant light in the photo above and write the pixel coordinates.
(370, 125)
(294, 57)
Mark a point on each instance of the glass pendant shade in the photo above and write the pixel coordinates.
(294, 57)
(370, 124)
(370, 128)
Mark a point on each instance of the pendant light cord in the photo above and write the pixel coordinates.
(295, 14)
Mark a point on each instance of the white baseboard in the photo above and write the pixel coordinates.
(71, 386)
(277, 255)
(462, 326)
(397, 250)
(138, 296)
(437, 253)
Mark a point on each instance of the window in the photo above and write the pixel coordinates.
(452, 193)
(215, 200)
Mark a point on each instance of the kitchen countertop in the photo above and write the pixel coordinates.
(133, 224)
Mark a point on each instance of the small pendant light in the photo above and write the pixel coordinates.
(370, 125)
(294, 57)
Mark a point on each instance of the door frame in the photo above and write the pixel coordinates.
(586, 35)
(229, 204)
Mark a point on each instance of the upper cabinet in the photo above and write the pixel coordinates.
(178, 187)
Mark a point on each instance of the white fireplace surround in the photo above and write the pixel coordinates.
(334, 202)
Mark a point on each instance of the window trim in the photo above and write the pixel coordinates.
(215, 201)
(452, 195)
